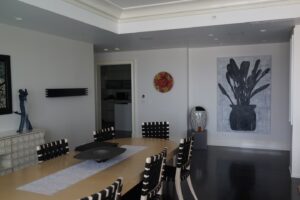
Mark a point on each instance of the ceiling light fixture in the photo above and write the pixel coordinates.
(211, 35)
(263, 30)
(216, 39)
(117, 49)
(105, 49)
(18, 18)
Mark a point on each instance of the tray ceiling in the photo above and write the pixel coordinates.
(45, 21)
(132, 16)
(135, 9)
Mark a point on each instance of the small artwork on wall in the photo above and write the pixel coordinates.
(5, 85)
(163, 82)
(244, 94)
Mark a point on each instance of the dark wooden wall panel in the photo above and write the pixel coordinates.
(66, 92)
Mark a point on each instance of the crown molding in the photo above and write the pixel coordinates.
(101, 8)
(174, 2)
(112, 11)
(196, 8)
(221, 16)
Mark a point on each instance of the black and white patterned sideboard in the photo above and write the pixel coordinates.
(19, 150)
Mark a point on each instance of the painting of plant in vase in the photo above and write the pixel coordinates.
(2, 86)
(5, 85)
(244, 94)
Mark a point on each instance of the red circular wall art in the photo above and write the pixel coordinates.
(163, 82)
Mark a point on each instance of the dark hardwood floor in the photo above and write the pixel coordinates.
(222, 173)
(225, 173)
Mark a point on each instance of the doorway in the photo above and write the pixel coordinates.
(114, 92)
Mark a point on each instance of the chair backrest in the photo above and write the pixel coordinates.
(184, 154)
(104, 134)
(52, 149)
(153, 175)
(112, 192)
(156, 130)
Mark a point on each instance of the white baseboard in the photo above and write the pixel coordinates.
(294, 175)
(251, 145)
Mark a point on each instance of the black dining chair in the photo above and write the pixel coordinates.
(156, 130)
(104, 134)
(152, 183)
(112, 192)
(181, 171)
(52, 150)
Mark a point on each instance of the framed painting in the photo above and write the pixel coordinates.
(244, 94)
(5, 85)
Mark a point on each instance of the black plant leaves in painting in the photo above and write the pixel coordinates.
(225, 93)
(242, 83)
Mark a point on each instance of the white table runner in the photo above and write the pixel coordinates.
(60, 180)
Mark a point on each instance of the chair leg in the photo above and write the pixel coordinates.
(191, 187)
(174, 160)
(178, 186)
(160, 192)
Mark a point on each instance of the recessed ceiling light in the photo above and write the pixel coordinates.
(117, 49)
(216, 39)
(18, 18)
(263, 30)
(105, 49)
(211, 35)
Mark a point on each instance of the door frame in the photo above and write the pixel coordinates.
(98, 92)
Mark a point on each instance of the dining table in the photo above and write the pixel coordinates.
(131, 169)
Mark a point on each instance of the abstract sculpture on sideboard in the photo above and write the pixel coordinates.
(24, 115)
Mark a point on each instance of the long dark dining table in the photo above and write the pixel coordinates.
(131, 169)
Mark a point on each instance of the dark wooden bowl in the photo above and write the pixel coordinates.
(93, 145)
(100, 154)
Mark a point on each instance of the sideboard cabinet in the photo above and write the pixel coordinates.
(19, 150)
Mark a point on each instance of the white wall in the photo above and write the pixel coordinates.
(171, 106)
(203, 91)
(295, 151)
(40, 61)
(196, 84)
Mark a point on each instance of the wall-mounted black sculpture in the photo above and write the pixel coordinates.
(24, 115)
(66, 92)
